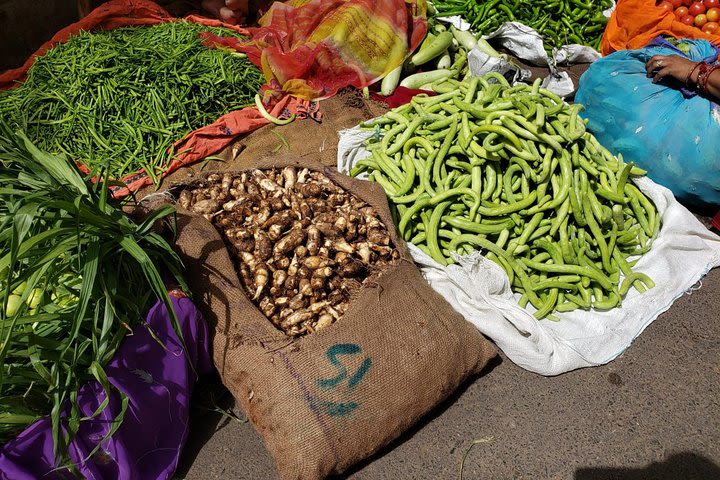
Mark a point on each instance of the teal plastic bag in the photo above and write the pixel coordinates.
(672, 133)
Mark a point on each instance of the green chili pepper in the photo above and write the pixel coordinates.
(485, 172)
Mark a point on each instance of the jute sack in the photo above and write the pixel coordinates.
(327, 400)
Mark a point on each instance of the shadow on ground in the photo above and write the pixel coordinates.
(683, 465)
(212, 408)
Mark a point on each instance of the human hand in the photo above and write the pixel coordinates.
(660, 67)
(229, 11)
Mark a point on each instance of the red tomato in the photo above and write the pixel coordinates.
(667, 6)
(696, 8)
(700, 20)
(681, 12)
(710, 27)
(713, 14)
(687, 3)
(711, 4)
(677, 3)
(688, 20)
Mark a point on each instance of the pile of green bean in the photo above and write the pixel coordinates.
(512, 171)
(560, 22)
(121, 98)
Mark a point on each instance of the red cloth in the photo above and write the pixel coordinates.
(313, 48)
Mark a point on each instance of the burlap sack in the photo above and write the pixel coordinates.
(330, 399)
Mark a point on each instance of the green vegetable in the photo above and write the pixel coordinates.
(417, 80)
(559, 22)
(445, 61)
(118, 100)
(267, 116)
(76, 275)
(440, 44)
(469, 41)
(512, 170)
(390, 82)
(465, 39)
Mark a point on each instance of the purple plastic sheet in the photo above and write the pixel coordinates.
(158, 382)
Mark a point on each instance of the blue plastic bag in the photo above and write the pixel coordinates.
(672, 133)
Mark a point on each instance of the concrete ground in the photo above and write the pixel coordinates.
(652, 413)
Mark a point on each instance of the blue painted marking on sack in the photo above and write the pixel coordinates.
(332, 355)
(355, 379)
(341, 409)
(335, 409)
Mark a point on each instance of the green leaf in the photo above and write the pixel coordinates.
(98, 271)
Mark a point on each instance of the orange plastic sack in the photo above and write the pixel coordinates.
(198, 144)
(312, 48)
(634, 23)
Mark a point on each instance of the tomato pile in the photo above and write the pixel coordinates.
(704, 14)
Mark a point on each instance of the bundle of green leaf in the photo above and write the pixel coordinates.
(511, 170)
(119, 99)
(76, 275)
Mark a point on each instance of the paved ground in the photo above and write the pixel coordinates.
(653, 413)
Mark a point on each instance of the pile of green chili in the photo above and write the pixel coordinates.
(559, 22)
(512, 171)
(119, 99)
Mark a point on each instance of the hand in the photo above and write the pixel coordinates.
(229, 11)
(660, 67)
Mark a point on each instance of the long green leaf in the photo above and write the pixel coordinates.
(98, 271)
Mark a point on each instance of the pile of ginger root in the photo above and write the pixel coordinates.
(302, 245)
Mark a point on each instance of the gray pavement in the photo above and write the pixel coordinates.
(652, 413)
